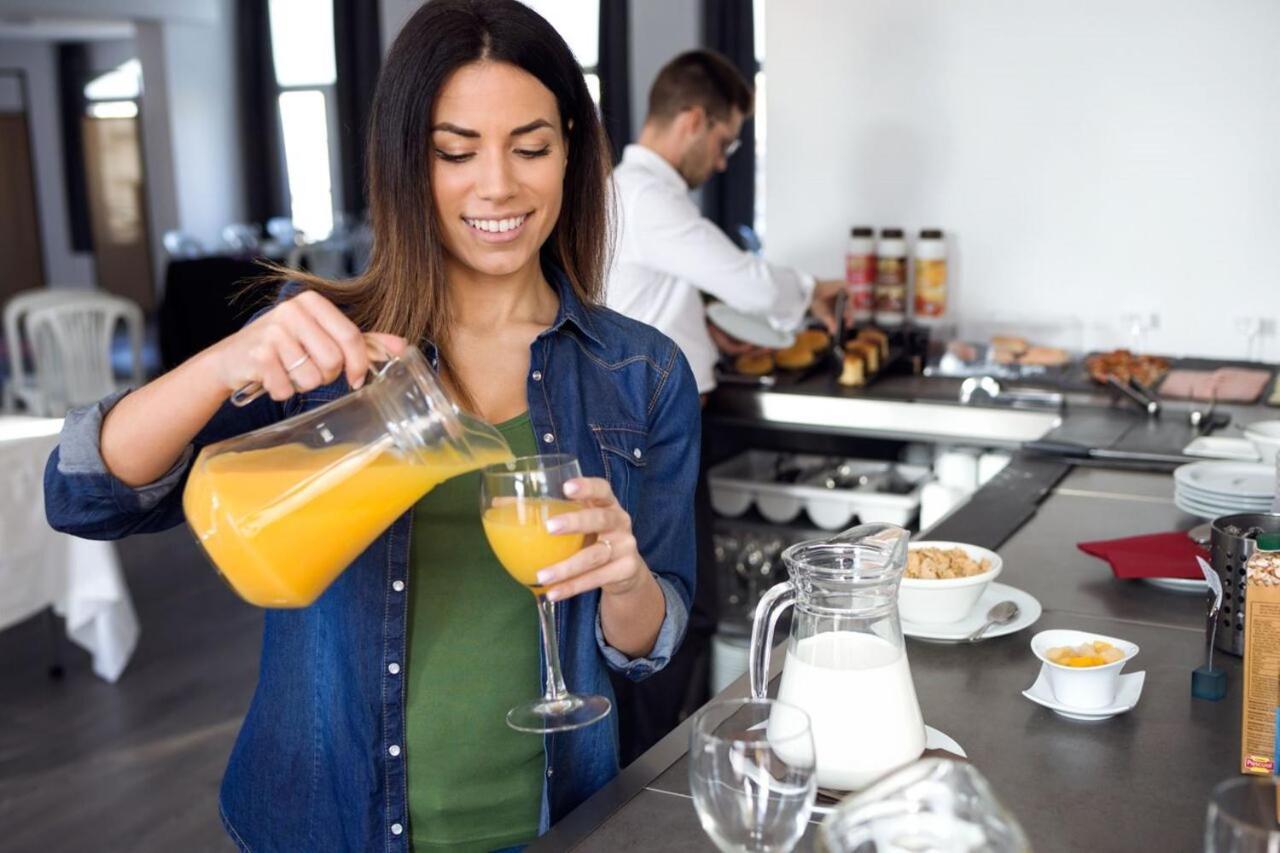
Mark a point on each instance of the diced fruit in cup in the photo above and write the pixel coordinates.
(1095, 653)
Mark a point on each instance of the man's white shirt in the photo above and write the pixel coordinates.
(667, 253)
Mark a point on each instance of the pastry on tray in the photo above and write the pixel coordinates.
(794, 357)
(813, 339)
(877, 337)
(1044, 357)
(754, 363)
(853, 373)
(868, 350)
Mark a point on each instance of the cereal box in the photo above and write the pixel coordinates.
(1261, 660)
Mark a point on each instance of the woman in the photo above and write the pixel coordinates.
(379, 714)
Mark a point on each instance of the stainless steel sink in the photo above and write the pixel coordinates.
(898, 419)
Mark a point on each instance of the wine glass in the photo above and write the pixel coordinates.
(1244, 816)
(516, 499)
(751, 772)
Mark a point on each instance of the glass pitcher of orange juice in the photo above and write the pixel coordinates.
(281, 511)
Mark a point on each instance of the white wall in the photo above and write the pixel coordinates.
(183, 10)
(660, 29)
(62, 266)
(1090, 158)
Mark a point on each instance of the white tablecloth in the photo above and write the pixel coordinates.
(39, 567)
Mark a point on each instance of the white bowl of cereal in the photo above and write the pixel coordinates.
(944, 580)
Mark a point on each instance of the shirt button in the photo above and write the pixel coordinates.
(550, 772)
(396, 829)
(537, 376)
(636, 453)
(394, 749)
(398, 586)
(393, 668)
(547, 438)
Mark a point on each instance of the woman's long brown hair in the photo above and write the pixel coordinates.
(403, 289)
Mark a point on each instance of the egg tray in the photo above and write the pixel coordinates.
(748, 480)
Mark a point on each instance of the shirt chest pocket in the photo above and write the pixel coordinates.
(623, 451)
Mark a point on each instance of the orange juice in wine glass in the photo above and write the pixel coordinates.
(517, 533)
(516, 500)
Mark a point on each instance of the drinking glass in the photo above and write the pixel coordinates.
(751, 772)
(1244, 816)
(516, 499)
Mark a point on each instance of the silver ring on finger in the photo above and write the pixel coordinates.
(302, 359)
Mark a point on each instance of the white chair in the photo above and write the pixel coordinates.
(71, 343)
(21, 372)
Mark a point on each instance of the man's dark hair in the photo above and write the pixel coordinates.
(699, 78)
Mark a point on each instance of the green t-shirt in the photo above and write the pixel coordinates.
(474, 783)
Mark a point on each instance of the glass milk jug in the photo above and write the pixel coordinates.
(281, 511)
(846, 662)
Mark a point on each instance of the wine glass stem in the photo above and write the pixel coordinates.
(551, 650)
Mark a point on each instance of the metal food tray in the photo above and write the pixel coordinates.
(748, 479)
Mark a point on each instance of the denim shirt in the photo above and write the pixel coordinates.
(319, 761)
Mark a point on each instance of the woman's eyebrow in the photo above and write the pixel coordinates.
(448, 127)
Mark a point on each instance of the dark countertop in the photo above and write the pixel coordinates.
(1139, 781)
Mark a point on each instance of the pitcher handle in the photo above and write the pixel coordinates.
(250, 391)
(768, 611)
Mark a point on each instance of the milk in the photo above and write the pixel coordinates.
(861, 702)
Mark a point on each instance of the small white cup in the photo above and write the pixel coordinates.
(1083, 687)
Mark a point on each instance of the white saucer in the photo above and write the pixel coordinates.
(1127, 696)
(1230, 480)
(1221, 447)
(952, 632)
(933, 739)
(748, 327)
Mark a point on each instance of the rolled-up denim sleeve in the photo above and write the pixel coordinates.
(662, 518)
(82, 497)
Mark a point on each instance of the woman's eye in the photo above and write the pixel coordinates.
(453, 158)
(528, 154)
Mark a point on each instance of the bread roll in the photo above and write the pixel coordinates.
(869, 351)
(754, 363)
(813, 339)
(794, 357)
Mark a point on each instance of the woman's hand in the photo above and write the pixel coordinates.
(610, 561)
(632, 605)
(299, 345)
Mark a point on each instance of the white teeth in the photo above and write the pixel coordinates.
(496, 226)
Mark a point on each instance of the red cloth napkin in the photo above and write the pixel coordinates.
(1158, 555)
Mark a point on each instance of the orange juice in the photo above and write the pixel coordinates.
(282, 522)
(517, 533)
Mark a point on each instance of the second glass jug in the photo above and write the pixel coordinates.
(846, 662)
(282, 510)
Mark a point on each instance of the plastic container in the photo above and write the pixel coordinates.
(748, 479)
(891, 278)
(931, 276)
(860, 274)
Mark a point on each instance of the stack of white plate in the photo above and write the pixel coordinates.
(1213, 489)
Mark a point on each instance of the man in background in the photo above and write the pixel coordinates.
(667, 258)
(669, 255)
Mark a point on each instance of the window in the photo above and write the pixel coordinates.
(757, 15)
(578, 22)
(306, 70)
(115, 94)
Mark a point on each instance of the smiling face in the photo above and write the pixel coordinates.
(498, 162)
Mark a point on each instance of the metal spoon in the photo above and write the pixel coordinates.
(1000, 614)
